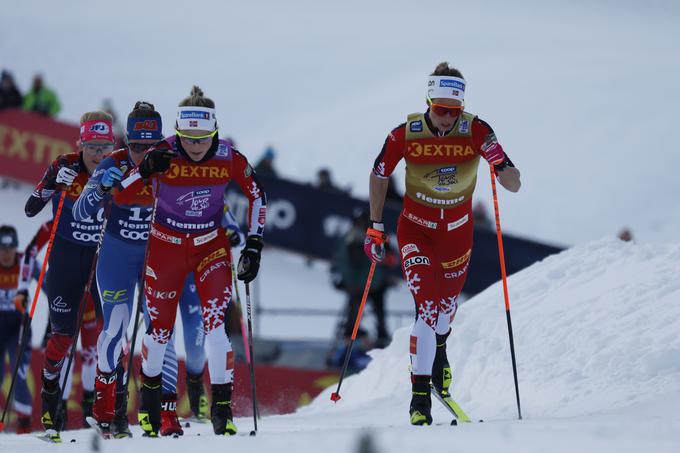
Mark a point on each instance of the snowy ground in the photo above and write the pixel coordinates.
(598, 349)
(583, 94)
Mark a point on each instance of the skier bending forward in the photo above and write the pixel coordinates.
(442, 148)
(189, 173)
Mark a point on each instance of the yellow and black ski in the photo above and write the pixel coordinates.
(450, 404)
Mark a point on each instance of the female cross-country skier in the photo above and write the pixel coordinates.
(441, 148)
(189, 173)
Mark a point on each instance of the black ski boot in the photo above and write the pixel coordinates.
(198, 402)
(421, 404)
(51, 417)
(119, 427)
(87, 403)
(441, 370)
(220, 412)
(150, 408)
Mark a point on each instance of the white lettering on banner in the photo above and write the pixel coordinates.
(336, 226)
(440, 201)
(281, 214)
(135, 235)
(80, 226)
(409, 248)
(460, 222)
(213, 267)
(133, 226)
(86, 237)
(416, 260)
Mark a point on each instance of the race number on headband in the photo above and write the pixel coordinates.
(196, 118)
(448, 87)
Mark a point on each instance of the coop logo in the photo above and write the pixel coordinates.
(416, 260)
(100, 128)
(458, 85)
(194, 115)
(59, 306)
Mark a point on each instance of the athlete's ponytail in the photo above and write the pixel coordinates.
(143, 109)
(443, 69)
(197, 99)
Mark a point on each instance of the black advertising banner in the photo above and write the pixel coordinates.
(307, 220)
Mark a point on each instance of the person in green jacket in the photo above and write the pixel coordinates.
(41, 99)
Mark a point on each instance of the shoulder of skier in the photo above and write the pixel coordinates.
(391, 153)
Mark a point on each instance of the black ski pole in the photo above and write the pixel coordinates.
(501, 255)
(252, 359)
(140, 293)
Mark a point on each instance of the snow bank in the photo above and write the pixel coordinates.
(597, 329)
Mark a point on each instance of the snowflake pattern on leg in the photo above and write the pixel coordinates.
(411, 282)
(213, 314)
(428, 312)
(160, 336)
(448, 305)
(153, 312)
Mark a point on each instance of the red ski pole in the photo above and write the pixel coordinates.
(501, 255)
(25, 336)
(335, 396)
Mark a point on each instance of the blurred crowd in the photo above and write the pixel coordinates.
(39, 98)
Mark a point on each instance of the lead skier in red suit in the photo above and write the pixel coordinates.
(442, 148)
(189, 172)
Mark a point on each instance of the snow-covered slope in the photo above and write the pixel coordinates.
(582, 94)
(597, 332)
(597, 329)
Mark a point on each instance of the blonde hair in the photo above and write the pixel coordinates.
(196, 99)
(97, 115)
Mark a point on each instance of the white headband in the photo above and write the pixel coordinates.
(196, 118)
(448, 87)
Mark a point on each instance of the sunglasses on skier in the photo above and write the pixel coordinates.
(443, 110)
(92, 149)
(196, 139)
(138, 147)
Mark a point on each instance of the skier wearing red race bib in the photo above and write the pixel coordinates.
(441, 148)
(189, 173)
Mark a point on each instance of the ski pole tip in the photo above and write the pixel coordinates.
(335, 397)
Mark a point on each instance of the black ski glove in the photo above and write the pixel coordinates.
(156, 161)
(249, 263)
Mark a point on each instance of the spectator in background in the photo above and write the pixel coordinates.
(41, 99)
(349, 271)
(325, 183)
(481, 217)
(266, 165)
(10, 97)
(625, 235)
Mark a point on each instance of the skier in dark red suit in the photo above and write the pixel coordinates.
(189, 173)
(442, 148)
